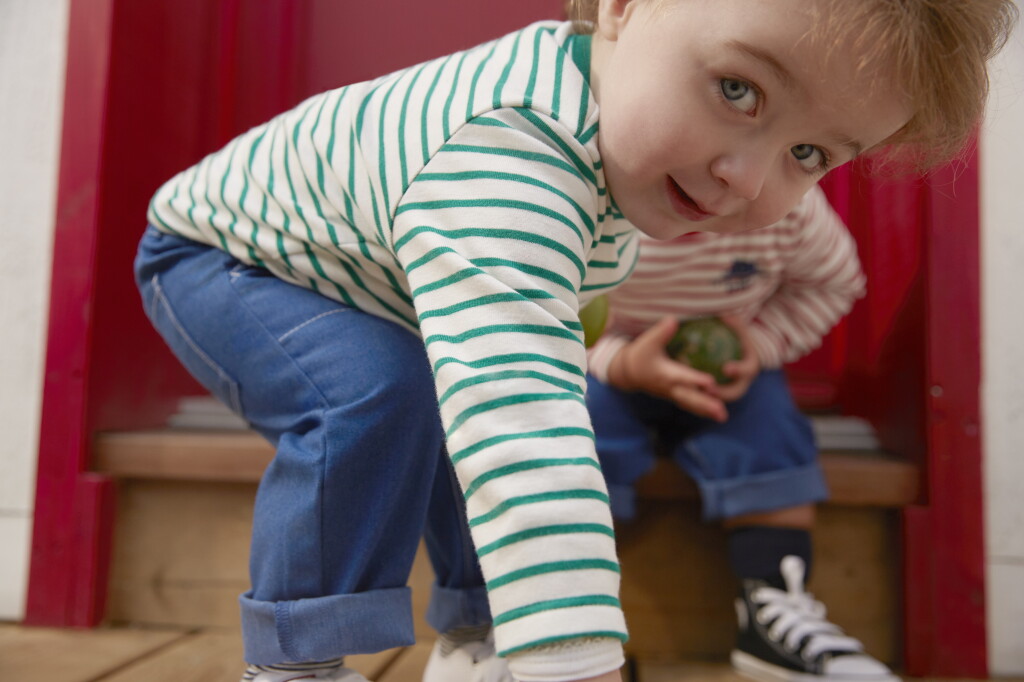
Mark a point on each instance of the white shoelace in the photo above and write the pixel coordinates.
(794, 615)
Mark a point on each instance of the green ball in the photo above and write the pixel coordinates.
(594, 317)
(706, 344)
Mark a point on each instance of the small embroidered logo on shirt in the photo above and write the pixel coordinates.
(740, 275)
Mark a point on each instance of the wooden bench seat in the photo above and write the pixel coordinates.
(856, 478)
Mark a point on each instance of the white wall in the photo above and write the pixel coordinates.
(32, 50)
(1002, 195)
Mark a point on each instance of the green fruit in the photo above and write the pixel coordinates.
(706, 344)
(593, 317)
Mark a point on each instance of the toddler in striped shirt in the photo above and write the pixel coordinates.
(385, 282)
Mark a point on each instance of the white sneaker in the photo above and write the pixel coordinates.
(475, 661)
(287, 672)
(785, 637)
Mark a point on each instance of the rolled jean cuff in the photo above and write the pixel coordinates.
(726, 498)
(452, 608)
(326, 627)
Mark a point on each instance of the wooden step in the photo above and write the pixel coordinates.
(185, 509)
(856, 478)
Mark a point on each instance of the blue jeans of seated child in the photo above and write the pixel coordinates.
(360, 472)
(763, 458)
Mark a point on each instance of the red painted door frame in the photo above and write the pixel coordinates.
(74, 509)
(944, 543)
(944, 569)
(105, 366)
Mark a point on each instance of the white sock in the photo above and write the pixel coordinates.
(452, 640)
(251, 671)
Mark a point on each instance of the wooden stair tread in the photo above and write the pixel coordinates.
(856, 478)
(859, 478)
(235, 456)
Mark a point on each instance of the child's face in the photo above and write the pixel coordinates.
(718, 115)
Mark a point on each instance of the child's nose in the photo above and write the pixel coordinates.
(743, 173)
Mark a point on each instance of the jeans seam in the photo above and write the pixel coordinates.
(285, 634)
(307, 322)
(323, 498)
(160, 300)
(321, 398)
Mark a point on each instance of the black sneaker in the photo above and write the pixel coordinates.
(784, 636)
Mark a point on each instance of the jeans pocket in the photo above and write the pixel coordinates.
(190, 353)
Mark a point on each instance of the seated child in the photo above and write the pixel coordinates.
(395, 267)
(747, 446)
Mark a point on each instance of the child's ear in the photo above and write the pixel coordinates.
(612, 16)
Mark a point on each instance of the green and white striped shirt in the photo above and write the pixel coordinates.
(465, 199)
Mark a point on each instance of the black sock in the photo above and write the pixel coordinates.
(755, 552)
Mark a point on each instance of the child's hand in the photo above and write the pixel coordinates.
(643, 365)
(741, 372)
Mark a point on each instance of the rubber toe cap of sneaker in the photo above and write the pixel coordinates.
(858, 667)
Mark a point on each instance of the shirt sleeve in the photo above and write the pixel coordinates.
(601, 354)
(494, 235)
(821, 281)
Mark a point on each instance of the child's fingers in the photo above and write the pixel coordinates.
(700, 403)
(659, 333)
(736, 369)
(732, 391)
(683, 374)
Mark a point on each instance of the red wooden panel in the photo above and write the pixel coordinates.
(884, 369)
(945, 542)
(62, 443)
(354, 41)
(871, 364)
(186, 77)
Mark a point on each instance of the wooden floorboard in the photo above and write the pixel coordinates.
(201, 657)
(408, 667)
(217, 657)
(673, 672)
(374, 666)
(131, 655)
(45, 655)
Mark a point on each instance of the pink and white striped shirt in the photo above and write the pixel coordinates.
(791, 281)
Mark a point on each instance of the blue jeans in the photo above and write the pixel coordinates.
(763, 458)
(360, 472)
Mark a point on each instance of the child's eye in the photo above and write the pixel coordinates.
(810, 157)
(741, 95)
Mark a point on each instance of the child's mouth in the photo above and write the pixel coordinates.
(683, 204)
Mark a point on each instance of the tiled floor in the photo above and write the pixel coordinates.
(151, 655)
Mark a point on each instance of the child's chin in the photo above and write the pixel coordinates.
(672, 231)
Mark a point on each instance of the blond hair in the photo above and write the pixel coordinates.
(935, 51)
(582, 12)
